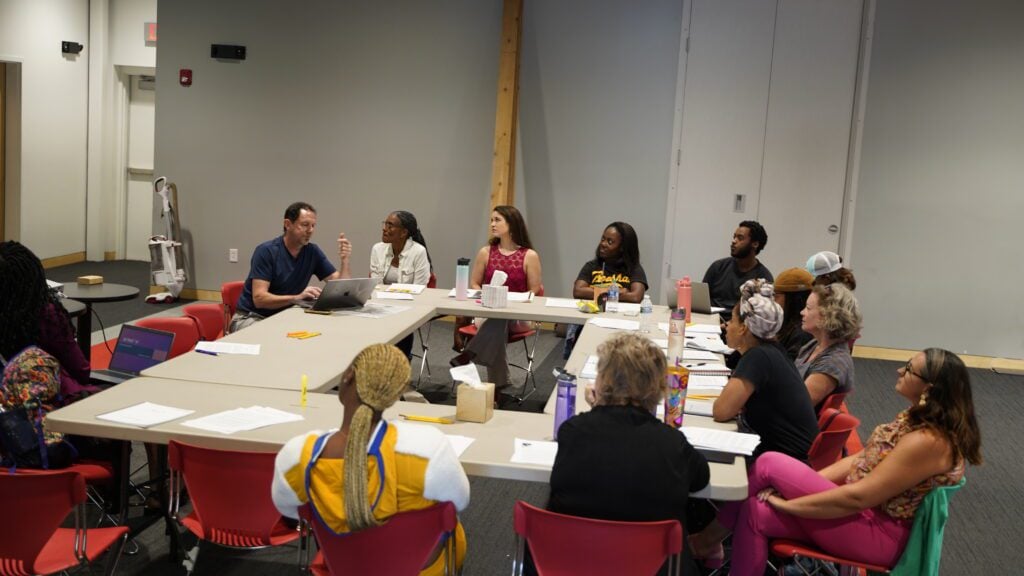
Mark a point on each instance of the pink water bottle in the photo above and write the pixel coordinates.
(683, 295)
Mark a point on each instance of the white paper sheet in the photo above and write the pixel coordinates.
(701, 381)
(722, 440)
(383, 295)
(698, 407)
(589, 370)
(520, 296)
(615, 323)
(539, 452)
(629, 308)
(145, 414)
(698, 355)
(560, 303)
(470, 293)
(459, 443)
(704, 329)
(220, 347)
(717, 309)
(372, 310)
(401, 288)
(242, 419)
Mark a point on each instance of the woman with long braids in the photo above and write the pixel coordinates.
(401, 257)
(31, 314)
(371, 469)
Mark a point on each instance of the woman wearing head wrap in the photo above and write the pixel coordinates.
(371, 469)
(765, 393)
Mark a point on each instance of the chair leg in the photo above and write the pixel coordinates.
(114, 555)
(530, 350)
(191, 557)
(519, 556)
(425, 348)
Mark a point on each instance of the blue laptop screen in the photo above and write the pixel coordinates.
(140, 348)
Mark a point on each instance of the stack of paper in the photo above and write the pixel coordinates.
(386, 295)
(145, 415)
(703, 381)
(520, 296)
(698, 407)
(242, 419)
(721, 440)
(401, 288)
(537, 452)
(589, 370)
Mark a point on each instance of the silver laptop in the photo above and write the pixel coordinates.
(700, 297)
(340, 294)
(137, 348)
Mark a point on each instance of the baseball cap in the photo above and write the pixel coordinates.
(823, 263)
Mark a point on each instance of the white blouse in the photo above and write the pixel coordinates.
(413, 265)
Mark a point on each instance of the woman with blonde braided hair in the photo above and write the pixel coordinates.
(370, 469)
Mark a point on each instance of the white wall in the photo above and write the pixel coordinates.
(127, 39)
(53, 123)
(939, 206)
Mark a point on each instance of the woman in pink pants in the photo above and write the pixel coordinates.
(863, 506)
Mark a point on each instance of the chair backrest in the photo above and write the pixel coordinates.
(923, 551)
(210, 318)
(186, 332)
(35, 505)
(562, 544)
(432, 283)
(833, 401)
(229, 293)
(230, 492)
(373, 551)
(835, 428)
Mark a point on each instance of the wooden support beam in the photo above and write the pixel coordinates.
(503, 164)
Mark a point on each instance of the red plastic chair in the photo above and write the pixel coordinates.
(31, 539)
(229, 294)
(529, 347)
(835, 427)
(562, 544)
(373, 551)
(833, 401)
(186, 333)
(230, 492)
(209, 318)
(786, 549)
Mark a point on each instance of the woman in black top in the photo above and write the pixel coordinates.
(765, 393)
(616, 261)
(619, 462)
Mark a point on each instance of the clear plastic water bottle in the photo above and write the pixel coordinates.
(612, 304)
(462, 279)
(565, 402)
(646, 314)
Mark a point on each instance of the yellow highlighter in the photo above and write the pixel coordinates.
(308, 335)
(432, 419)
(305, 388)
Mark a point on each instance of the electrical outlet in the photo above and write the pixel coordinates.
(232, 254)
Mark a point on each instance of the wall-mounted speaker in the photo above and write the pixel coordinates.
(227, 52)
(69, 47)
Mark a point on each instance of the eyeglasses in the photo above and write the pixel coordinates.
(908, 369)
(389, 225)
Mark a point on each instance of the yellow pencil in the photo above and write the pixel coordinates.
(305, 387)
(308, 335)
(434, 419)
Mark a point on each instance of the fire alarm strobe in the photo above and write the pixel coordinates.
(185, 77)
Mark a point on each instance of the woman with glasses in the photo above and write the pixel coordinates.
(832, 317)
(401, 257)
(863, 506)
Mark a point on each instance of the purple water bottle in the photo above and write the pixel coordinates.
(565, 403)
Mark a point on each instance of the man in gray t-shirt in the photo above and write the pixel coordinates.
(724, 277)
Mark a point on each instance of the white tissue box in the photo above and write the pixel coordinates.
(473, 403)
(494, 296)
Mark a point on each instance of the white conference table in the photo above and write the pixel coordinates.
(489, 455)
(282, 361)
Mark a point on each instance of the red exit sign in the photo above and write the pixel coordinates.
(150, 32)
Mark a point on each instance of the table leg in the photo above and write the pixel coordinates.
(84, 332)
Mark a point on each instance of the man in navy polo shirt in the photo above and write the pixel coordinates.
(280, 269)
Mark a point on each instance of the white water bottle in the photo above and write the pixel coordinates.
(612, 303)
(646, 314)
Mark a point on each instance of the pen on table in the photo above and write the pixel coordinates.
(305, 387)
(207, 352)
(434, 419)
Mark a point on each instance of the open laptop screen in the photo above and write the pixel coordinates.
(140, 348)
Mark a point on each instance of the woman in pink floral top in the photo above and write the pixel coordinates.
(862, 507)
